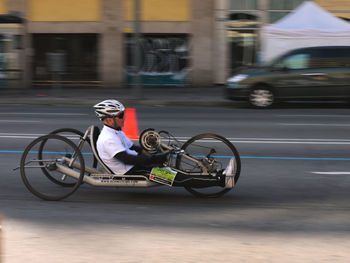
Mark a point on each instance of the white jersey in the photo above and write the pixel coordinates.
(109, 143)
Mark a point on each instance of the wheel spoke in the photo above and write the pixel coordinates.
(45, 181)
(261, 98)
(75, 136)
(201, 146)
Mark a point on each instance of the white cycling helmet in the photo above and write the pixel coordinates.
(108, 108)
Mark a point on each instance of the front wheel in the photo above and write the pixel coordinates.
(261, 97)
(219, 149)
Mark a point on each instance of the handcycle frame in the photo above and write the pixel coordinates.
(101, 178)
(106, 178)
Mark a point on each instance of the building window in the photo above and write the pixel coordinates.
(284, 4)
(243, 4)
(241, 31)
(164, 60)
(74, 56)
(280, 8)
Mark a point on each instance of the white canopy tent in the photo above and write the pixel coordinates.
(308, 25)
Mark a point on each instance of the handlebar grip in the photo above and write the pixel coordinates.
(166, 147)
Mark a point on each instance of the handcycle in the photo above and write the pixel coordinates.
(64, 164)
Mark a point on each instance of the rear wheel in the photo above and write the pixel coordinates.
(76, 135)
(69, 133)
(216, 148)
(261, 97)
(39, 167)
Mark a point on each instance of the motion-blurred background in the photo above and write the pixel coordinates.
(89, 43)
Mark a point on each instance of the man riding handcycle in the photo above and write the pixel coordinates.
(206, 165)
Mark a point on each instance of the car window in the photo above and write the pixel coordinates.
(295, 61)
(331, 58)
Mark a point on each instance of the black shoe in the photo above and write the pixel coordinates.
(221, 179)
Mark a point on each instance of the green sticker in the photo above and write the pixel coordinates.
(163, 175)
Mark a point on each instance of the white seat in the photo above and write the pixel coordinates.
(94, 133)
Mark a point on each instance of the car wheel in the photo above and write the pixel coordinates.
(261, 97)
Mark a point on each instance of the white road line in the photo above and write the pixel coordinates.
(278, 142)
(293, 142)
(289, 139)
(332, 173)
(315, 124)
(211, 141)
(19, 137)
(18, 121)
(20, 134)
(34, 137)
(273, 139)
(232, 140)
(43, 113)
(313, 115)
(229, 138)
(31, 136)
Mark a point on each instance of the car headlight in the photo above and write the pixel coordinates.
(237, 78)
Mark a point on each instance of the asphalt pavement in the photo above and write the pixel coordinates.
(291, 203)
(189, 96)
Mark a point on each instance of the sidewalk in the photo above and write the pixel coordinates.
(187, 96)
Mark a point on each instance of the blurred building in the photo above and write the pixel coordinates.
(89, 42)
(238, 23)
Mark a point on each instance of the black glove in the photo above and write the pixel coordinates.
(159, 158)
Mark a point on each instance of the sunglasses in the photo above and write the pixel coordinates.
(120, 115)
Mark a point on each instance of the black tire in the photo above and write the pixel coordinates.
(64, 131)
(68, 130)
(228, 152)
(46, 149)
(44, 170)
(261, 97)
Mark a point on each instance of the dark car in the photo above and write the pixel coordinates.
(321, 73)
